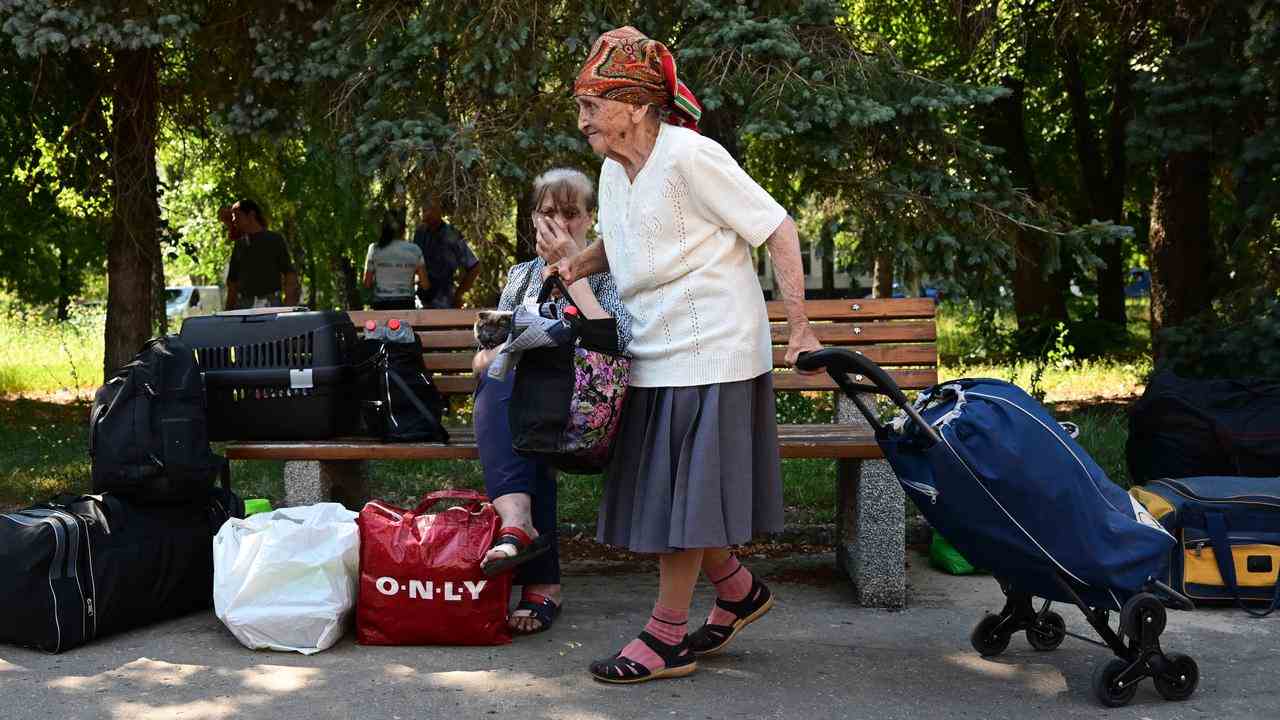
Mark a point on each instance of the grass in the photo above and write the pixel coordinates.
(40, 356)
(49, 371)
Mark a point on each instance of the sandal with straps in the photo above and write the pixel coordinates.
(526, 550)
(678, 661)
(711, 639)
(541, 608)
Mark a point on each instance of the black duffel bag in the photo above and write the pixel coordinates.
(79, 568)
(1186, 427)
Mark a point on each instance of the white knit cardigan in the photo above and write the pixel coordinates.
(678, 240)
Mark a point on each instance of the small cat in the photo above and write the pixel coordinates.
(492, 328)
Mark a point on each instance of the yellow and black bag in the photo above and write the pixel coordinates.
(1228, 531)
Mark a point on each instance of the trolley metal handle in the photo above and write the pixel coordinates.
(839, 362)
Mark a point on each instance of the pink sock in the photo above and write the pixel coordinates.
(733, 582)
(668, 626)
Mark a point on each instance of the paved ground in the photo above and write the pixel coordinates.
(815, 656)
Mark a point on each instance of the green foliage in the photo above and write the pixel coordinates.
(805, 407)
(1057, 352)
(40, 354)
(1213, 346)
(1217, 92)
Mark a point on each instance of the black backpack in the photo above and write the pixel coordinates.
(399, 401)
(1188, 427)
(148, 436)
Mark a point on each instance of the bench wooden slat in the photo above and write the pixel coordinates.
(861, 310)
(784, 380)
(846, 334)
(866, 309)
(795, 441)
(906, 379)
(890, 355)
(418, 318)
(843, 334)
(448, 339)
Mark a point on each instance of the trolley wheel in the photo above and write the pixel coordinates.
(1180, 680)
(1048, 631)
(1143, 612)
(1105, 687)
(986, 639)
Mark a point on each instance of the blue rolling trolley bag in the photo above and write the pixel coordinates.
(992, 471)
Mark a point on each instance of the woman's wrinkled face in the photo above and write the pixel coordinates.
(606, 123)
(571, 213)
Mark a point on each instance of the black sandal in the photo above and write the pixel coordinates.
(526, 550)
(678, 661)
(711, 639)
(544, 611)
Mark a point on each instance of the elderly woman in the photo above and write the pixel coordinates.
(524, 490)
(695, 467)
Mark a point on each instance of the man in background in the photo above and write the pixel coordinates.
(445, 253)
(260, 270)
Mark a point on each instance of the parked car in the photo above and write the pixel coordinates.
(188, 300)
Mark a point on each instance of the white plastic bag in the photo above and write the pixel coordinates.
(286, 580)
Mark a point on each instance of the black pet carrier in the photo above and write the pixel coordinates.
(276, 374)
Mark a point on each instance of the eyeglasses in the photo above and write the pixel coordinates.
(569, 214)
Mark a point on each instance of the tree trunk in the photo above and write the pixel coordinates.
(161, 318)
(133, 247)
(1181, 251)
(526, 239)
(1036, 297)
(882, 283)
(64, 285)
(1104, 189)
(828, 266)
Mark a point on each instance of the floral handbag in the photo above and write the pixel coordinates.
(566, 403)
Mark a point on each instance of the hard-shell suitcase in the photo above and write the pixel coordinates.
(1228, 531)
(84, 567)
(276, 373)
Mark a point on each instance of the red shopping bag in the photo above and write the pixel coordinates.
(420, 578)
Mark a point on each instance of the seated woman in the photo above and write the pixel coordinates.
(524, 490)
(392, 264)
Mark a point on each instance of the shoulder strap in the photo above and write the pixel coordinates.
(413, 399)
(1216, 525)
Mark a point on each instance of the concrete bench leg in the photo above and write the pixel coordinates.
(307, 482)
(871, 533)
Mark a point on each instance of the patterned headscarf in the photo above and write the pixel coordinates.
(626, 65)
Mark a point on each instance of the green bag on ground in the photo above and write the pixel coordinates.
(946, 558)
(255, 506)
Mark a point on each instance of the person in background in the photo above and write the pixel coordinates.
(260, 270)
(392, 264)
(445, 253)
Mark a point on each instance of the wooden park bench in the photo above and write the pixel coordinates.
(898, 334)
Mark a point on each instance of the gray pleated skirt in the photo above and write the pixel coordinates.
(693, 467)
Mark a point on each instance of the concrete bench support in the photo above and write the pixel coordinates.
(307, 482)
(871, 533)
